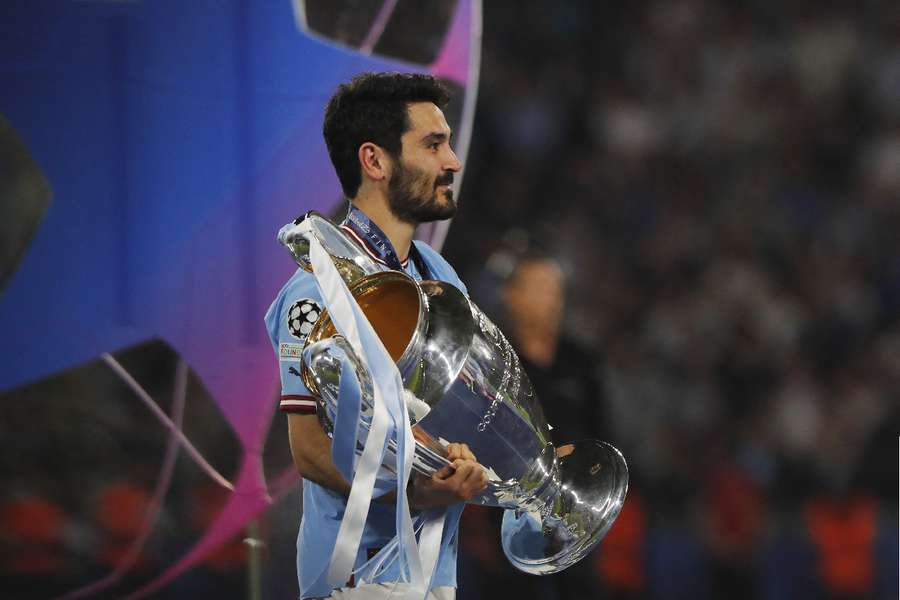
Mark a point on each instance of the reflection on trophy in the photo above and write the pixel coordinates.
(463, 382)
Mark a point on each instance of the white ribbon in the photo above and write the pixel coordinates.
(389, 413)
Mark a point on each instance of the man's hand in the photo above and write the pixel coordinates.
(456, 451)
(459, 481)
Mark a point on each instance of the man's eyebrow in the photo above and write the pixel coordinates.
(436, 136)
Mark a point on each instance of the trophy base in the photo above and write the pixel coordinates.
(590, 487)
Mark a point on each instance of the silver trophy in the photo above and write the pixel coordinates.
(464, 383)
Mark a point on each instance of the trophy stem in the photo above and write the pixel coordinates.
(537, 489)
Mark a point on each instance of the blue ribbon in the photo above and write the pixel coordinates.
(390, 419)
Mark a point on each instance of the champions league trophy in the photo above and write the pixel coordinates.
(464, 383)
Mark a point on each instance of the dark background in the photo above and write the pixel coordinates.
(721, 184)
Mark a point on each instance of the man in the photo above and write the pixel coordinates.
(562, 373)
(390, 146)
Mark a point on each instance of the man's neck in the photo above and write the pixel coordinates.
(398, 232)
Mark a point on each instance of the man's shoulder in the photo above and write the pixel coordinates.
(299, 286)
(439, 266)
(301, 282)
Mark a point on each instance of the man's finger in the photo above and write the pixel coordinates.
(473, 477)
(465, 452)
(478, 477)
(458, 450)
(464, 469)
(453, 452)
(445, 472)
(469, 454)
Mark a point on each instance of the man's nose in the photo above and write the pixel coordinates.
(453, 163)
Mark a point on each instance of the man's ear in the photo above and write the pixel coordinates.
(374, 161)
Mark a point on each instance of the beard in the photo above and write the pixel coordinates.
(413, 196)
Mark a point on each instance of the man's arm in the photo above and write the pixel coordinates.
(455, 483)
(311, 449)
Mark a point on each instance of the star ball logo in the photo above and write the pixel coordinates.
(302, 316)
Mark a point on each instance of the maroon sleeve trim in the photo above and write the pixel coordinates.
(293, 403)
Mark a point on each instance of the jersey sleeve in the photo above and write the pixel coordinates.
(288, 321)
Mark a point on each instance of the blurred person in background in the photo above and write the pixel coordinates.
(563, 373)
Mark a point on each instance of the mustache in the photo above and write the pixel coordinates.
(445, 179)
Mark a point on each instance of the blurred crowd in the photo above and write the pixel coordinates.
(720, 187)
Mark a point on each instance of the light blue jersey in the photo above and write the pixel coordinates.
(288, 321)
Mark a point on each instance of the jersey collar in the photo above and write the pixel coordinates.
(373, 240)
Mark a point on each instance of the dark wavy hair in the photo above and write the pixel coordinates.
(373, 108)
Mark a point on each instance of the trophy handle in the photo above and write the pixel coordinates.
(323, 362)
(351, 261)
(571, 513)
